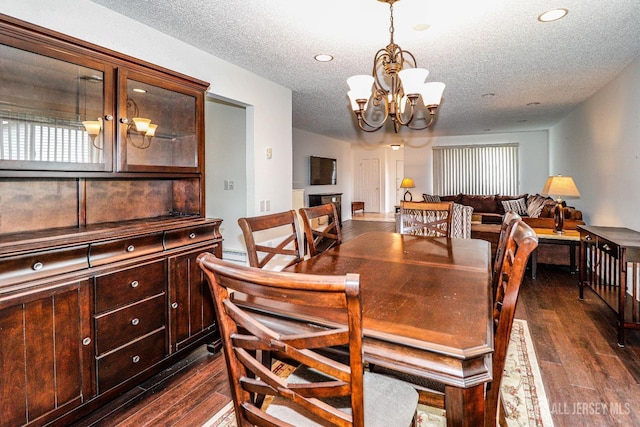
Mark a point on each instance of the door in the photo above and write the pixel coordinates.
(370, 184)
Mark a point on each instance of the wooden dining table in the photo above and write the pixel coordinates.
(427, 310)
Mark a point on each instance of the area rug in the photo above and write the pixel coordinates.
(525, 401)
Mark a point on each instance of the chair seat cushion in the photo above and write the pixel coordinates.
(387, 402)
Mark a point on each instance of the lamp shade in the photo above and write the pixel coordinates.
(92, 127)
(560, 186)
(432, 93)
(413, 80)
(407, 183)
(360, 86)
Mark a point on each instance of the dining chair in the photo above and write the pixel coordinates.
(461, 221)
(272, 240)
(321, 227)
(520, 241)
(321, 390)
(508, 220)
(426, 218)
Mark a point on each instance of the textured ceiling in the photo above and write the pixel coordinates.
(474, 47)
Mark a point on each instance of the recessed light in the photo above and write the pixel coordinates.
(553, 15)
(421, 27)
(139, 90)
(323, 57)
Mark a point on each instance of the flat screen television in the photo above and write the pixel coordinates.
(323, 171)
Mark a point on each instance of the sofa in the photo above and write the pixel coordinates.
(536, 210)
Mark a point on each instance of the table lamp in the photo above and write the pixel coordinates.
(407, 183)
(560, 186)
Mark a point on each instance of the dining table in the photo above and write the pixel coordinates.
(427, 310)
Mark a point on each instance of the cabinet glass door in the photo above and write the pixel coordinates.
(52, 113)
(158, 126)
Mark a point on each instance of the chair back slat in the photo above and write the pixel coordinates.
(245, 333)
(426, 218)
(508, 220)
(285, 249)
(321, 236)
(521, 240)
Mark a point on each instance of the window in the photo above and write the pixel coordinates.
(476, 169)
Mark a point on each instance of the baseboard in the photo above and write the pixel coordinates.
(234, 256)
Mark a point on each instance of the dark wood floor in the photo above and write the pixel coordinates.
(588, 379)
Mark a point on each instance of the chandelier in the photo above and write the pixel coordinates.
(397, 84)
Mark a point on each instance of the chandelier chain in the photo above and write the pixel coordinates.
(391, 28)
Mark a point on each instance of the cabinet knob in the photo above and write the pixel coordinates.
(192, 235)
(124, 120)
(135, 321)
(134, 284)
(174, 305)
(108, 117)
(131, 248)
(86, 341)
(588, 237)
(37, 266)
(135, 359)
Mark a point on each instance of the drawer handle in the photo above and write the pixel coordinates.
(86, 341)
(135, 359)
(37, 266)
(588, 237)
(131, 248)
(606, 247)
(134, 284)
(135, 321)
(192, 235)
(174, 305)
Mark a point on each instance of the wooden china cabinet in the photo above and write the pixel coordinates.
(101, 220)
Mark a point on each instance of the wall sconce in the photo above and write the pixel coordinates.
(93, 128)
(140, 125)
(407, 183)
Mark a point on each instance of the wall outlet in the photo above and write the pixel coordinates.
(269, 153)
(231, 185)
(226, 184)
(261, 205)
(268, 205)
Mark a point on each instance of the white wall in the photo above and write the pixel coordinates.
(598, 144)
(268, 104)
(306, 144)
(388, 160)
(533, 158)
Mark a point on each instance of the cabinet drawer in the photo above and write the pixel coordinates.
(131, 285)
(128, 361)
(107, 252)
(41, 264)
(188, 236)
(608, 247)
(128, 323)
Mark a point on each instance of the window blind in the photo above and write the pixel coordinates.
(476, 169)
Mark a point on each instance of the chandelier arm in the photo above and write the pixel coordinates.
(378, 100)
(429, 123)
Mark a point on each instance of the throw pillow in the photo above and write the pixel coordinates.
(431, 199)
(536, 203)
(519, 206)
